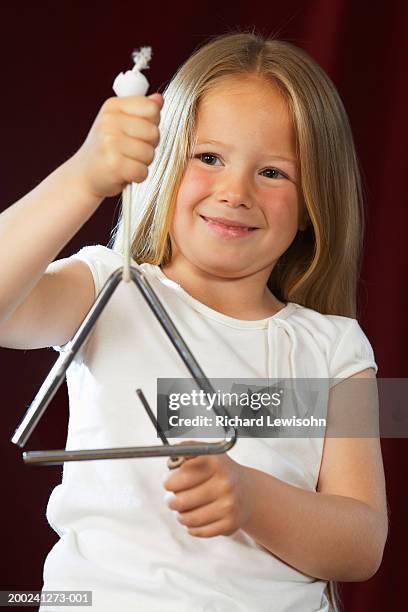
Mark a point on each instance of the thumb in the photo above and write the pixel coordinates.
(157, 97)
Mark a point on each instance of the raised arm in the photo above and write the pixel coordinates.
(43, 302)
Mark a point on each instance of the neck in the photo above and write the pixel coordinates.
(244, 297)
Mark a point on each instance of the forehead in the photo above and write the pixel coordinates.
(245, 105)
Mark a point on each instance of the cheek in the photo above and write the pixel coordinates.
(194, 187)
(282, 212)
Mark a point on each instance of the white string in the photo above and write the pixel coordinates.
(126, 205)
(133, 82)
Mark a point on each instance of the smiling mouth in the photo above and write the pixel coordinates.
(243, 229)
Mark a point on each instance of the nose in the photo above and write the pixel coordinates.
(233, 189)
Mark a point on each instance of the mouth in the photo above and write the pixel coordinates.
(224, 224)
(227, 231)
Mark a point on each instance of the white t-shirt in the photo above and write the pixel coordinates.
(118, 538)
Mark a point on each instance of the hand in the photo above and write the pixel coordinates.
(209, 494)
(120, 144)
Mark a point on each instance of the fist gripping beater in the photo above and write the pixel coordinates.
(130, 83)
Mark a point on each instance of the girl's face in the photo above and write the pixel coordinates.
(244, 169)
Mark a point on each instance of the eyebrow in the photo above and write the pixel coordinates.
(216, 142)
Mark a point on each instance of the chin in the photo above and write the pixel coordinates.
(217, 267)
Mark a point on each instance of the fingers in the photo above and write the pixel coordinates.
(131, 137)
(120, 144)
(205, 515)
(204, 494)
(192, 473)
(192, 498)
(125, 159)
(136, 149)
(138, 106)
(140, 129)
(158, 97)
(222, 527)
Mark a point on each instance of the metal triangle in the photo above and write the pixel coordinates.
(57, 375)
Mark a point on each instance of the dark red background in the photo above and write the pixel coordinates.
(58, 62)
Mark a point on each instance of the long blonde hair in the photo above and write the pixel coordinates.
(320, 269)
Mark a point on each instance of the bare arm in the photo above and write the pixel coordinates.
(339, 531)
(36, 228)
(43, 302)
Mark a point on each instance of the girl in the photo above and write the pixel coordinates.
(252, 134)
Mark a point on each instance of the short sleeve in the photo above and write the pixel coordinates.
(99, 259)
(353, 352)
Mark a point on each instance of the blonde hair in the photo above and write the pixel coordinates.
(320, 269)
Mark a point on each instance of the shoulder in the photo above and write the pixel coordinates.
(323, 326)
(104, 261)
(342, 339)
(99, 253)
(101, 260)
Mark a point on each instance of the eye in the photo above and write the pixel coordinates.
(201, 157)
(207, 159)
(274, 170)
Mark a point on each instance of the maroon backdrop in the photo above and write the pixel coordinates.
(58, 63)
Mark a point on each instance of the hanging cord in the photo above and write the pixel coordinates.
(131, 83)
(127, 211)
